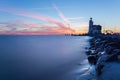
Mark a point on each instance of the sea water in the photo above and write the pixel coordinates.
(43, 57)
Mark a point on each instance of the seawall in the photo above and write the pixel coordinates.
(104, 53)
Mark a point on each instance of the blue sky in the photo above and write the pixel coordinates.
(57, 16)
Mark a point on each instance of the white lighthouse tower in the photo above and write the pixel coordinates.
(90, 26)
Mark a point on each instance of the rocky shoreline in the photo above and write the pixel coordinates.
(104, 51)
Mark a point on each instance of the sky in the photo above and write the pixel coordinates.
(46, 17)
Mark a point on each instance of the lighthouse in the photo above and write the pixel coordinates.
(94, 30)
(90, 26)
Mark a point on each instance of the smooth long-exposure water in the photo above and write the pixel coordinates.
(43, 57)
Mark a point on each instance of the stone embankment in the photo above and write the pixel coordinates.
(104, 49)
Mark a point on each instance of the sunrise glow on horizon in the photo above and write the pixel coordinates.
(49, 17)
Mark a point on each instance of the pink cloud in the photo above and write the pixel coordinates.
(43, 18)
(25, 27)
(59, 24)
(59, 29)
(61, 14)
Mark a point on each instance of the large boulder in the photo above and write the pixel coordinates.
(114, 55)
(92, 59)
(114, 44)
(88, 52)
(109, 49)
(101, 63)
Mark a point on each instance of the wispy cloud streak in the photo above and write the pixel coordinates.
(42, 18)
(61, 15)
(61, 28)
(26, 27)
(68, 23)
(67, 20)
